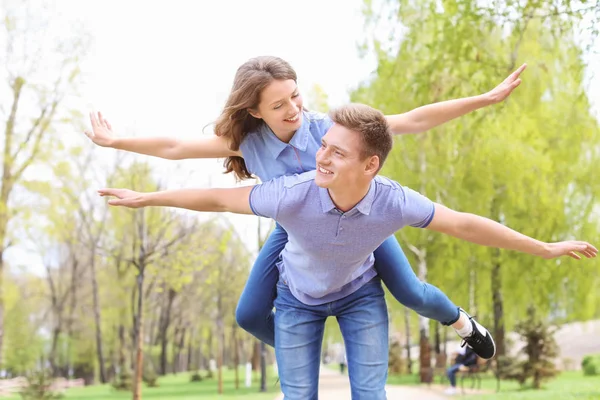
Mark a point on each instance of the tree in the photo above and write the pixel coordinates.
(540, 347)
(37, 79)
(491, 162)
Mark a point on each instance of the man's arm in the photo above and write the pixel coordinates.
(486, 232)
(234, 200)
(429, 116)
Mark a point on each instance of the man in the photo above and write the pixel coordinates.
(464, 358)
(336, 217)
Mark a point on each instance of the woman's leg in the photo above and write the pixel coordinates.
(428, 300)
(254, 311)
(395, 271)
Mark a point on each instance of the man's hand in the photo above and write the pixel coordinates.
(569, 248)
(102, 133)
(124, 197)
(484, 231)
(503, 90)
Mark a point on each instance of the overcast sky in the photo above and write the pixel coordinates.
(165, 67)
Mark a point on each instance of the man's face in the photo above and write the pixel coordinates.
(339, 163)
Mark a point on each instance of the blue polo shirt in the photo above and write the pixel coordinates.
(329, 253)
(268, 157)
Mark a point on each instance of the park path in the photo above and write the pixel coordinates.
(334, 386)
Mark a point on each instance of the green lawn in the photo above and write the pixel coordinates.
(568, 385)
(179, 387)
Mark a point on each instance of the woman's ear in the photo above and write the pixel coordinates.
(254, 113)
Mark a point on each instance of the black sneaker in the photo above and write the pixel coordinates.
(480, 340)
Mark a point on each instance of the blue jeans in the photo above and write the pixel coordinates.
(363, 320)
(451, 373)
(254, 311)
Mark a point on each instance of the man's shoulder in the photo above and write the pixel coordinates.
(298, 181)
(387, 183)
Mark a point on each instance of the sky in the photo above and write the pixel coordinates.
(164, 68)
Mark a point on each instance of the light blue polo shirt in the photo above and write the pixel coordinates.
(329, 253)
(268, 157)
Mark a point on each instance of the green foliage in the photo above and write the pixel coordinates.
(150, 377)
(591, 365)
(525, 162)
(123, 380)
(39, 387)
(196, 377)
(540, 351)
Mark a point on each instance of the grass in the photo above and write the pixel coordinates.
(567, 386)
(179, 387)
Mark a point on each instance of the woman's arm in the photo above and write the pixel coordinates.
(163, 147)
(427, 117)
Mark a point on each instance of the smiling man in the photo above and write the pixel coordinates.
(336, 217)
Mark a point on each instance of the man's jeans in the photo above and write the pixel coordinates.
(451, 373)
(299, 330)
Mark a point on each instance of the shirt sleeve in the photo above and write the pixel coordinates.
(266, 197)
(417, 210)
(325, 124)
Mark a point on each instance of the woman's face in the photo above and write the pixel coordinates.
(280, 107)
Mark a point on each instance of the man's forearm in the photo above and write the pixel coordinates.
(486, 232)
(429, 116)
(235, 200)
(190, 199)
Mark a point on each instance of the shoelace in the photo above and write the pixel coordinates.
(472, 338)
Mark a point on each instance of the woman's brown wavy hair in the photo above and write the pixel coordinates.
(235, 121)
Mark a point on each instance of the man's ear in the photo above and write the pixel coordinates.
(254, 113)
(372, 165)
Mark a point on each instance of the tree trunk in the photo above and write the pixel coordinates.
(139, 363)
(498, 308)
(437, 340)
(122, 346)
(97, 319)
(236, 355)
(72, 306)
(220, 344)
(255, 358)
(52, 355)
(178, 356)
(425, 373)
(263, 367)
(190, 351)
(165, 323)
(473, 289)
(409, 364)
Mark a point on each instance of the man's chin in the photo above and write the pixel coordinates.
(324, 183)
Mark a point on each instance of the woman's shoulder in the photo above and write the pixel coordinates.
(318, 121)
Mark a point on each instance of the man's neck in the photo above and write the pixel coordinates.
(347, 198)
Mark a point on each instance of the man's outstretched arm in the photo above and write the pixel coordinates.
(486, 232)
(234, 200)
